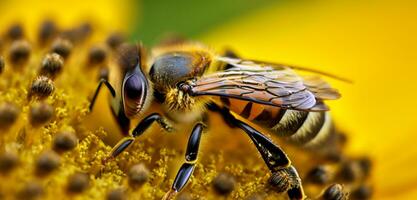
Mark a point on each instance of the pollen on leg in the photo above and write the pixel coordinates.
(280, 180)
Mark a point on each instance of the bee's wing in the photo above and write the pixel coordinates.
(237, 62)
(266, 85)
(320, 88)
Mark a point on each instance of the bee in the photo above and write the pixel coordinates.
(187, 79)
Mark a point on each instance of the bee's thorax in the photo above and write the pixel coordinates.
(176, 99)
(182, 107)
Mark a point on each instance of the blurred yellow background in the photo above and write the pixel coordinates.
(373, 43)
(107, 15)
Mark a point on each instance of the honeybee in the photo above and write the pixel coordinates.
(187, 79)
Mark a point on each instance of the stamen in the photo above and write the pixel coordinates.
(78, 183)
(115, 40)
(31, 190)
(8, 114)
(62, 47)
(1, 64)
(41, 87)
(318, 175)
(40, 113)
(224, 183)
(8, 161)
(334, 192)
(116, 194)
(138, 175)
(47, 162)
(47, 32)
(363, 192)
(15, 32)
(19, 53)
(52, 65)
(96, 56)
(65, 141)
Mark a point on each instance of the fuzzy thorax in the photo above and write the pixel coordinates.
(177, 100)
(183, 108)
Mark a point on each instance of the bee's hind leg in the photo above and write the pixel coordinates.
(284, 175)
(187, 168)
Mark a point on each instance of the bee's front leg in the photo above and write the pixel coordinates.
(118, 113)
(139, 130)
(187, 168)
(108, 85)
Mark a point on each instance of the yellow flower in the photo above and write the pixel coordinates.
(51, 146)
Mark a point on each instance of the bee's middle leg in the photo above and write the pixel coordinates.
(187, 168)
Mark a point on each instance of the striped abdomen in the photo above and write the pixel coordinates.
(300, 127)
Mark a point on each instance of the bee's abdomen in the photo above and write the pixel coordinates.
(299, 127)
(304, 128)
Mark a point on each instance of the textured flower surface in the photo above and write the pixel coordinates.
(52, 146)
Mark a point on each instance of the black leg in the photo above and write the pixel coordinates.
(275, 158)
(273, 155)
(117, 111)
(121, 119)
(187, 168)
(147, 122)
(111, 89)
(225, 113)
(139, 130)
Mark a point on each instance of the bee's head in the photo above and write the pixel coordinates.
(136, 91)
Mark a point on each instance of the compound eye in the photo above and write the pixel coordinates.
(134, 87)
(134, 94)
